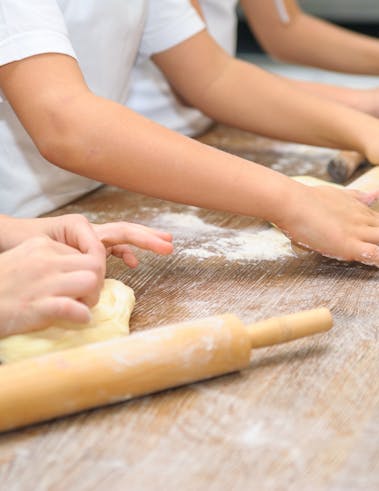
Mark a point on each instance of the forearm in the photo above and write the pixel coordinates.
(100, 139)
(331, 47)
(127, 150)
(266, 104)
(365, 100)
(311, 41)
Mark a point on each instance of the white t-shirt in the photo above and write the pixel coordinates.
(151, 95)
(106, 38)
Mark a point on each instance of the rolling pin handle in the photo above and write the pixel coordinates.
(287, 328)
(344, 164)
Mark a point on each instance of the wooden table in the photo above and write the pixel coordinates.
(305, 416)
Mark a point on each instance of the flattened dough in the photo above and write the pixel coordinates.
(110, 318)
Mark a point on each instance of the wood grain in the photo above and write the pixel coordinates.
(304, 416)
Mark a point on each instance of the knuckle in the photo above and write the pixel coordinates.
(96, 266)
(92, 280)
(76, 219)
(38, 245)
(62, 308)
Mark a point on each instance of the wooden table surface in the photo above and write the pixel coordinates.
(304, 416)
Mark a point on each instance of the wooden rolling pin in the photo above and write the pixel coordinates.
(344, 164)
(66, 382)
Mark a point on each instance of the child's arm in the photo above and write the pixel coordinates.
(86, 134)
(307, 40)
(243, 95)
(88, 238)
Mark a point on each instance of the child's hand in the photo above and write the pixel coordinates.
(41, 281)
(76, 231)
(117, 236)
(335, 223)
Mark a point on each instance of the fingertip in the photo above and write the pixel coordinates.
(372, 197)
(369, 255)
(83, 313)
(131, 262)
(166, 236)
(167, 249)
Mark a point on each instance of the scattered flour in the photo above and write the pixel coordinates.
(196, 238)
(184, 221)
(261, 245)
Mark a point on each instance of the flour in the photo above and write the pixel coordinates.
(185, 222)
(196, 238)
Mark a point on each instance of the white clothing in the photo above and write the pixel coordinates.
(106, 38)
(151, 95)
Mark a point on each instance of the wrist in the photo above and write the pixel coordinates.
(284, 196)
(7, 224)
(370, 143)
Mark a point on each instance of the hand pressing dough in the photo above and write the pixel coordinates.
(110, 318)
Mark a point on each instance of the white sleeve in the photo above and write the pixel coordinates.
(169, 22)
(31, 27)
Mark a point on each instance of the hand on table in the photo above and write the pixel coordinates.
(336, 223)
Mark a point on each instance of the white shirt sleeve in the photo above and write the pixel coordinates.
(31, 27)
(169, 22)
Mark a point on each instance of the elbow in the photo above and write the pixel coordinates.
(49, 147)
(60, 128)
(56, 148)
(59, 137)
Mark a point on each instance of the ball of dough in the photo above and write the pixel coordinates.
(110, 318)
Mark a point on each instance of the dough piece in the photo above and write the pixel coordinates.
(315, 181)
(110, 318)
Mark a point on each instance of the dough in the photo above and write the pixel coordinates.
(315, 181)
(110, 318)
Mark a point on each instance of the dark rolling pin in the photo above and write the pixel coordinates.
(344, 164)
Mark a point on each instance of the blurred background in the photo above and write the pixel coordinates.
(357, 15)
(344, 10)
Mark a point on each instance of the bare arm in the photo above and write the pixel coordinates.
(88, 135)
(243, 95)
(307, 40)
(97, 138)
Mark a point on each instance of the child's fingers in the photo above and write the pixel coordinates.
(80, 262)
(47, 245)
(80, 234)
(367, 254)
(126, 254)
(159, 233)
(369, 234)
(365, 198)
(83, 285)
(51, 309)
(131, 233)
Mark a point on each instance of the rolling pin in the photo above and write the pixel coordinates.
(66, 382)
(344, 164)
